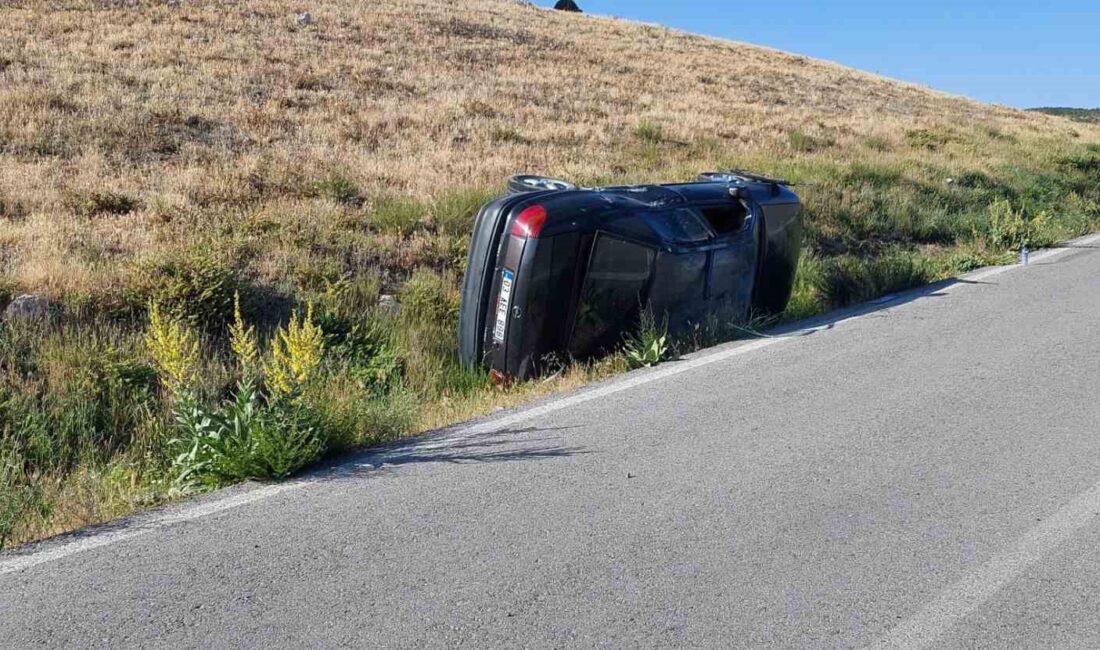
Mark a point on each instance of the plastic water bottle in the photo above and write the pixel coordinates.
(1024, 254)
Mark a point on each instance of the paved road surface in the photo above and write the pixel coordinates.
(925, 473)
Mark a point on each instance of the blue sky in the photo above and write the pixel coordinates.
(1016, 53)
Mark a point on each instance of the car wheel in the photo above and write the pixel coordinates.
(526, 183)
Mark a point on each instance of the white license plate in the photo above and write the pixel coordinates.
(506, 280)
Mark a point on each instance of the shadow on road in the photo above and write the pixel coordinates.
(500, 445)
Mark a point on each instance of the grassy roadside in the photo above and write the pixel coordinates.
(91, 416)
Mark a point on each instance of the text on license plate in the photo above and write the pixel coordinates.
(506, 280)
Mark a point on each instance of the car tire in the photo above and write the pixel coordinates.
(527, 183)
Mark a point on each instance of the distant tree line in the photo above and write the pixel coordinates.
(1075, 114)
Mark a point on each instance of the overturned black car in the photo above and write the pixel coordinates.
(555, 270)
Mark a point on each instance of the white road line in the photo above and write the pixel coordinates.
(969, 593)
(64, 548)
(141, 527)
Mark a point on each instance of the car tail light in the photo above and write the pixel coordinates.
(529, 223)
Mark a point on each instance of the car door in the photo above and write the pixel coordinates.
(614, 290)
(733, 257)
(680, 277)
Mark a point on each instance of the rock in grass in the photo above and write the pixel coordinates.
(388, 303)
(305, 19)
(567, 5)
(27, 307)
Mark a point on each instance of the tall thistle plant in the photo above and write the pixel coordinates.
(251, 435)
(175, 350)
(244, 343)
(296, 353)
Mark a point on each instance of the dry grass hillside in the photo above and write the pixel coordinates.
(184, 153)
(130, 131)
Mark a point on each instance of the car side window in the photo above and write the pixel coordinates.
(681, 226)
(726, 219)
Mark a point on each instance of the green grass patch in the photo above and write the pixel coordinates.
(930, 139)
(649, 132)
(100, 202)
(339, 189)
(805, 143)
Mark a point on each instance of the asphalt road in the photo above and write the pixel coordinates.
(924, 473)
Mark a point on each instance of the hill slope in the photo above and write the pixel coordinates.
(184, 154)
(214, 110)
